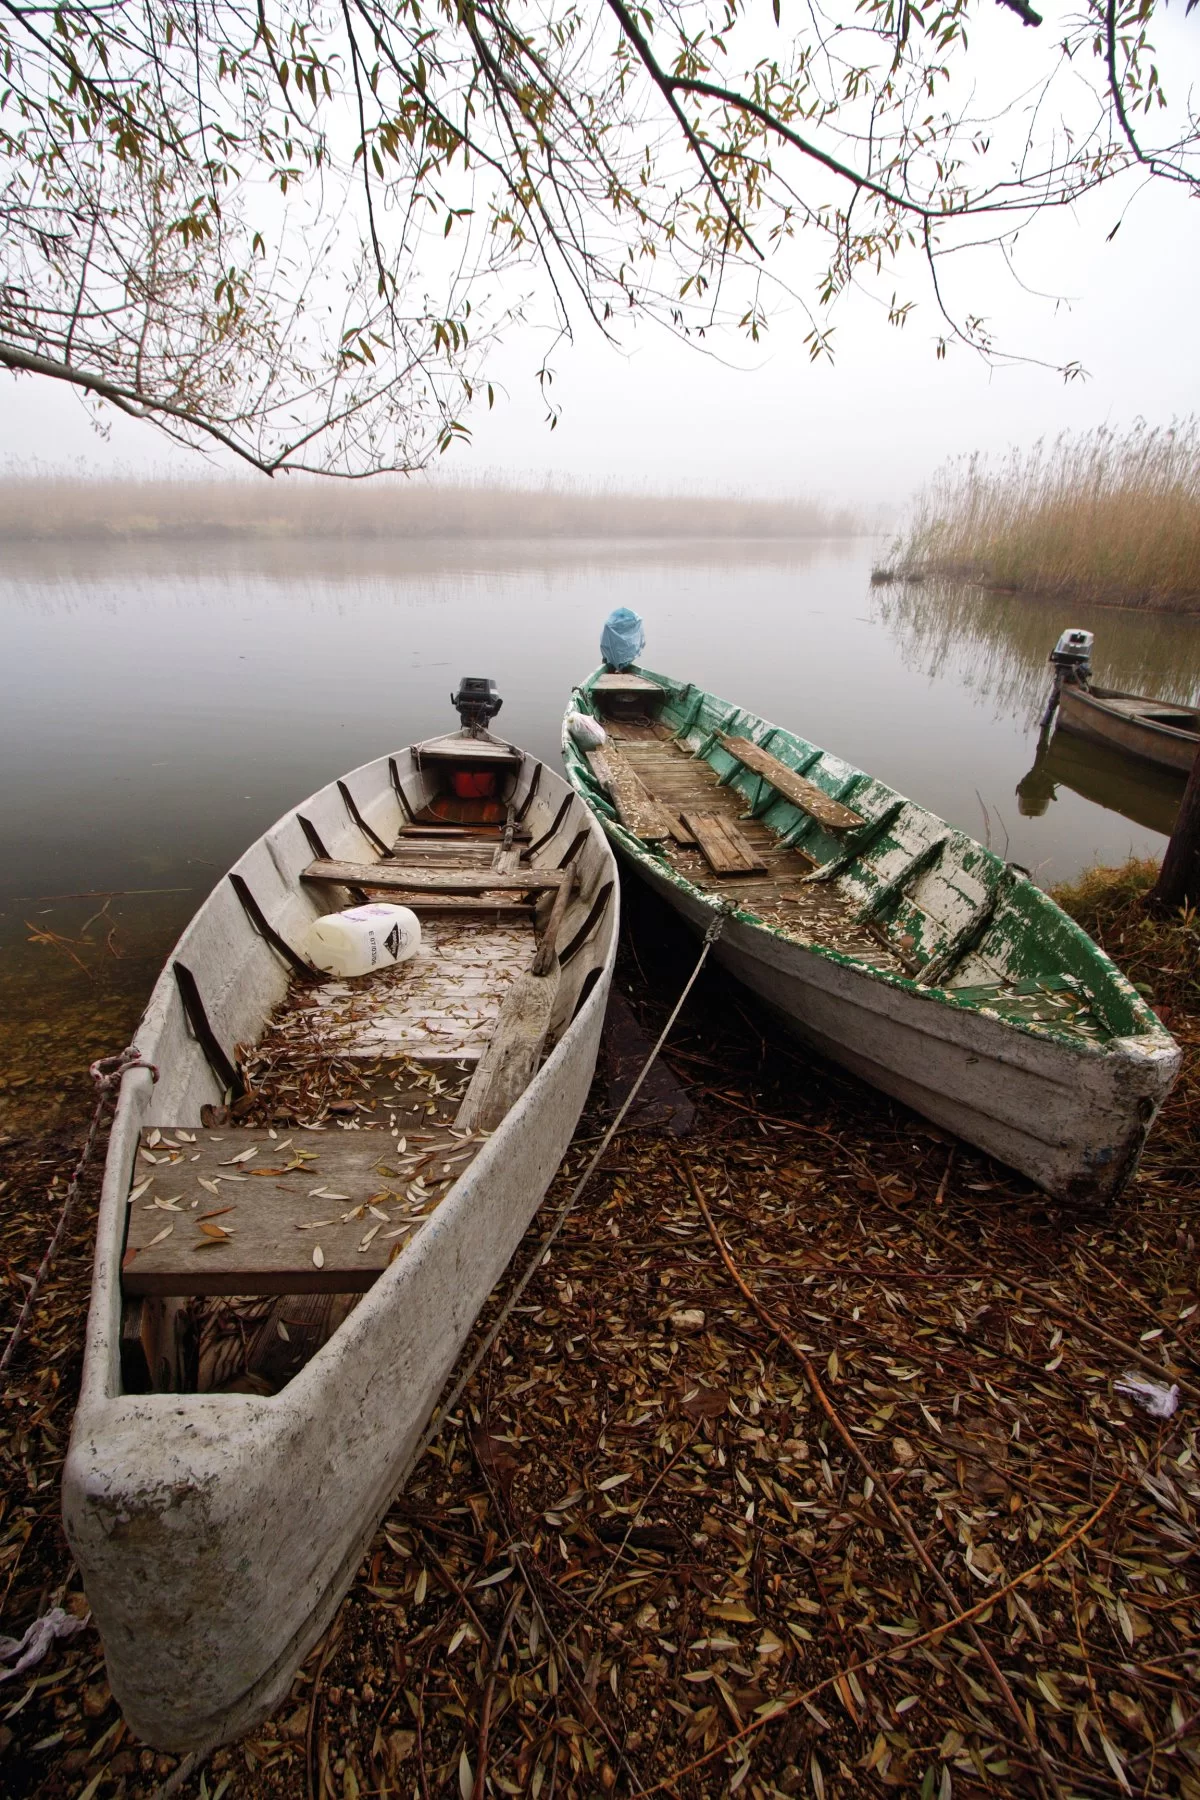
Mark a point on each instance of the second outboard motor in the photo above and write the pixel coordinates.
(1071, 660)
(1072, 655)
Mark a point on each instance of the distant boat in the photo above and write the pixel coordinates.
(1156, 730)
(219, 1490)
(890, 941)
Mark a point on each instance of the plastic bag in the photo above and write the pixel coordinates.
(623, 638)
(588, 733)
(1154, 1397)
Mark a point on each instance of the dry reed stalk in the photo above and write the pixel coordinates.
(1105, 516)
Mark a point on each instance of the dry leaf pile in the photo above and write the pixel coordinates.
(803, 1466)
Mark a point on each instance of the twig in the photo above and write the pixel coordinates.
(448, 1578)
(485, 1718)
(332, 1637)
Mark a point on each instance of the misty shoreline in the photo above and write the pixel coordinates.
(55, 509)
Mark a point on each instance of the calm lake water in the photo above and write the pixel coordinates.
(159, 708)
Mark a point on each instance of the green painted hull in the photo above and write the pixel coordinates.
(974, 999)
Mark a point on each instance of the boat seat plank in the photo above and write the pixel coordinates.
(433, 853)
(466, 750)
(637, 808)
(422, 879)
(274, 1219)
(623, 681)
(447, 832)
(724, 848)
(455, 906)
(801, 792)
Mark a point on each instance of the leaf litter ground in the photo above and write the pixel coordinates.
(801, 1468)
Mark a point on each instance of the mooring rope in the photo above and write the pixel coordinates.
(713, 932)
(107, 1073)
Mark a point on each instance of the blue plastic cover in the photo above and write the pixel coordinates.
(623, 638)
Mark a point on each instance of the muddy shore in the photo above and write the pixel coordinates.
(802, 1468)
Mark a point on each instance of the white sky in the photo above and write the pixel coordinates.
(866, 430)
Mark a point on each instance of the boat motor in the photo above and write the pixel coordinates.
(476, 703)
(1071, 660)
(1071, 657)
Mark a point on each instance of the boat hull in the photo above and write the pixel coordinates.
(1074, 1123)
(1089, 715)
(217, 1533)
(920, 960)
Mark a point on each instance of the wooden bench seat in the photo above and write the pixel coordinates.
(804, 794)
(420, 878)
(235, 1211)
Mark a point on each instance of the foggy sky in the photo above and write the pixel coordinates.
(867, 430)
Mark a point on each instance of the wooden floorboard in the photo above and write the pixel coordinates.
(780, 895)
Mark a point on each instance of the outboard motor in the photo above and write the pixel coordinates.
(1071, 657)
(1071, 660)
(476, 703)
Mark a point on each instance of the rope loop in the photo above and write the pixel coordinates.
(716, 925)
(108, 1071)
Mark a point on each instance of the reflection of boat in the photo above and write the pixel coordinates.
(1138, 790)
(887, 939)
(218, 1522)
(1156, 730)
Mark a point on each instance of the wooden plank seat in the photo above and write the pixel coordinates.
(446, 853)
(421, 879)
(724, 848)
(620, 694)
(804, 794)
(624, 681)
(235, 1211)
(459, 749)
(449, 834)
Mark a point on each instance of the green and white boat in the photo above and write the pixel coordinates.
(892, 942)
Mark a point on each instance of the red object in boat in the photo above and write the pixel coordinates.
(474, 784)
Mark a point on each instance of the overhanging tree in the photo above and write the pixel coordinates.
(288, 228)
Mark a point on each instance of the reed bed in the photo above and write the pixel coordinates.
(1110, 517)
(42, 508)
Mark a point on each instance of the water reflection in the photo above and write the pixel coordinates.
(1000, 643)
(160, 706)
(1139, 791)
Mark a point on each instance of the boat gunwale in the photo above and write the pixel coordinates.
(1154, 1035)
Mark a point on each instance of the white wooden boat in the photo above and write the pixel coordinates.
(895, 944)
(217, 1530)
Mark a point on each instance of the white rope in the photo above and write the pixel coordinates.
(434, 1430)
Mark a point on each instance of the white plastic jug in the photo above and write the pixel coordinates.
(362, 939)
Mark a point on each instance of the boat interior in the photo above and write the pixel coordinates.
(349, 1116)
(829, 857)
(1150, 712)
